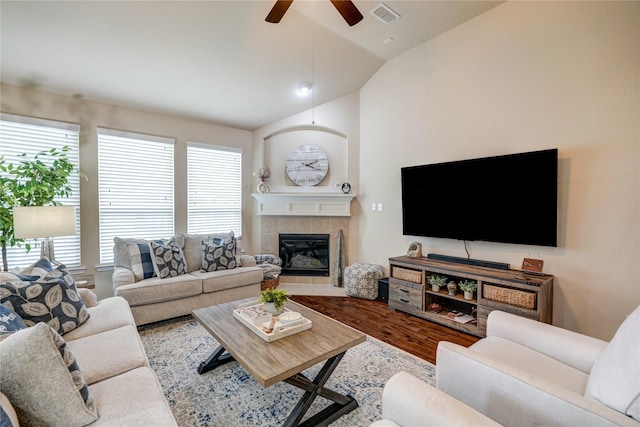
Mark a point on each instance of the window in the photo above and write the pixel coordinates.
(214, 180)
(28, 135)
(135, 188)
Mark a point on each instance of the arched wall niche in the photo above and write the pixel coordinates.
(279, 144)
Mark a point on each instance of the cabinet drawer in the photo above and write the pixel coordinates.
(405, 296)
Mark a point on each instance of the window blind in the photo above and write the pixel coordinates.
(214, 181)
(28, 135)
(135, 188)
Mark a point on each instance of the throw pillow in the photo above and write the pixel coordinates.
(10, 322)
(219, 255)
(615, 376)
(58, 394)
(52, 301)
(38, 268)
(168, 259)
(141, 264)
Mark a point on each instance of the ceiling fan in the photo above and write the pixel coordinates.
(347, 9)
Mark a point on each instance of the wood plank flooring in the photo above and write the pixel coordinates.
(409, 333)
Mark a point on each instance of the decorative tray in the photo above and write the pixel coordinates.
(255, 317)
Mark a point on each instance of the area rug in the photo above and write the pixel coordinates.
(229, 396)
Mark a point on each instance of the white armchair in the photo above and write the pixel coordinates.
(528, 373)
(410, 402)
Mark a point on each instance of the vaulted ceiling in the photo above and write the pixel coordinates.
(217, 61)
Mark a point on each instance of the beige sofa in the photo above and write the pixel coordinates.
(154, 299)
(113, 363)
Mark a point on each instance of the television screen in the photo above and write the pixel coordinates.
(507, 199)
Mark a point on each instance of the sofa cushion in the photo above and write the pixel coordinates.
(227, 279)
(140, 259)
(110, 313)
(193, 247)
(154, 290)
(58, 395)
(219, 254)
(615, 376)
(118, 350)
(53, 301)
(168, 259)
(132, 399)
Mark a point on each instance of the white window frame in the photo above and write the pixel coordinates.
(135, 188)
(214, 188)
(20, 134)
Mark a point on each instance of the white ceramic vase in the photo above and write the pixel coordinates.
(263, 187)
(271, 308)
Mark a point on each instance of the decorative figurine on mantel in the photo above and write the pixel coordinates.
(263, 175)
(415, 250)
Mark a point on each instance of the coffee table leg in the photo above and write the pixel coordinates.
(216, 359)
(342, 404)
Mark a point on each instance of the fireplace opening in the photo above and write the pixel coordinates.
(304, 254)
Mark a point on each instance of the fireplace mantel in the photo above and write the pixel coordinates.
(320, 203)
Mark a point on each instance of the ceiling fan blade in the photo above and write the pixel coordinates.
(278, 10)
(348, 10)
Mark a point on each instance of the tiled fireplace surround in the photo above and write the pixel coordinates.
(272, 225)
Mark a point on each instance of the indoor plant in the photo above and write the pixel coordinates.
(274, 300)
(32, 182)
(468, 287)
(436, 281)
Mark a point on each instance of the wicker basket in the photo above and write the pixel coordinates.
(510, 296)
(408, 275)
(269, 284)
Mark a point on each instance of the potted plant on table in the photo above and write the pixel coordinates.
(436, 281)
(468, 287)
(274, 300)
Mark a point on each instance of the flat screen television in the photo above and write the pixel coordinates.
(507, 199)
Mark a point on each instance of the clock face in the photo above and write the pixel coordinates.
(307, 165)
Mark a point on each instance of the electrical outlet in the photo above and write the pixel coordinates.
(379, 207)
(373, 206)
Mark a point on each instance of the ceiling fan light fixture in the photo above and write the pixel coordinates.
(304, 89)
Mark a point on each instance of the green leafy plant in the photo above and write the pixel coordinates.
(32, 182)
(277, 296)
(468, 285)
(437, 280)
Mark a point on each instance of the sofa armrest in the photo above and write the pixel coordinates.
(247, 261)
(409, 401)
(122, 276)
(512, 396)
(574, 349)
(90, 299)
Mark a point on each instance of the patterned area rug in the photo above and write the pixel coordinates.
(229, 396)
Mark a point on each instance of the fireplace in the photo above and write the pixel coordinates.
(304, 254)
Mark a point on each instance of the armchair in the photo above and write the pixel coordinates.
(528, 373)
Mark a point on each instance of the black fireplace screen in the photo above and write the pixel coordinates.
(304, 254)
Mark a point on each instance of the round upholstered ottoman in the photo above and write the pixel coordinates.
(361, 280)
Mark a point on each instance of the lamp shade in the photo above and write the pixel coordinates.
(31, 222)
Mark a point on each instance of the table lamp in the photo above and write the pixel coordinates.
(44, 222)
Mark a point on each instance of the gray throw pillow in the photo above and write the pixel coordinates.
(41, 378)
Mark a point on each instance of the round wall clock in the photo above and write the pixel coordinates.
(307, 165)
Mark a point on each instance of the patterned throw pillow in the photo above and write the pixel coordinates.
(168, 259)
(219, 255)
(141, 264)
(10, 322)
(61, 397)
(51, 300)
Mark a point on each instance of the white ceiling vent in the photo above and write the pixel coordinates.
(383, 13)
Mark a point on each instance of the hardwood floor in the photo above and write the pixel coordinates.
(409, 333)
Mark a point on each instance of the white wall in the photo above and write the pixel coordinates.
(523, 76)
(90, 115)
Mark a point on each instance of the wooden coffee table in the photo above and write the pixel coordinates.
(286, 358)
